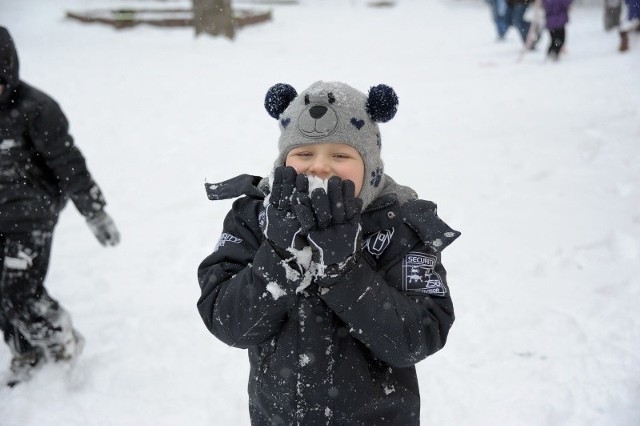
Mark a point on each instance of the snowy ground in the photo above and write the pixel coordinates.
(535, 162)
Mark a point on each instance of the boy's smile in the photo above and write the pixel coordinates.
(328, 159)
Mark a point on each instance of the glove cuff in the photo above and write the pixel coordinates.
(277, 264)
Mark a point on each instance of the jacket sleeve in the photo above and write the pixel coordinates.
(247, 288)
(399, 327)
(49, 132)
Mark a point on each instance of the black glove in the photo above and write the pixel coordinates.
(281, 226)
(104, 228)
(331, 220)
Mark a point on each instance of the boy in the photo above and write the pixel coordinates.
(40, 168)
(336, 297)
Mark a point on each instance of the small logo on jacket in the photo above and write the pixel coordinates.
(377, 243)
(418, 275)
(7, 143)
(23, 262)
(226, 238)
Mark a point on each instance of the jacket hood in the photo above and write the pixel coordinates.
(9, 67)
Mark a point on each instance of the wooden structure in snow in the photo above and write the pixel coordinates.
(126, 18)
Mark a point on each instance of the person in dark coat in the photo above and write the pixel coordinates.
(328, 271)
(557, 16)
(518, 9)
(40, 169)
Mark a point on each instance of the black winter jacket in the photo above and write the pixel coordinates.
(40, 167)
(342, 355)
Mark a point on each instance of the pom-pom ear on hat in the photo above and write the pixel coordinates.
(278, 98)
(382, 103)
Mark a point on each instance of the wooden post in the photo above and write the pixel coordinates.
(214, 17)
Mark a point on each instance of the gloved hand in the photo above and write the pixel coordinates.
(281, 226)
(331, 220)
(104, 229)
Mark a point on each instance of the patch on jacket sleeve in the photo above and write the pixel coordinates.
(419, 276)
(226, 238)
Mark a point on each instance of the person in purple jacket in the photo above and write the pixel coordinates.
(557, 16)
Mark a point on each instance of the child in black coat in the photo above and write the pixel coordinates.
(40, 169)
(329, 272)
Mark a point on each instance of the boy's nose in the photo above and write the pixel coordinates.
(320, 168)
(317, 111)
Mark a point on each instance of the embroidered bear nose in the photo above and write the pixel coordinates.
(317, 111)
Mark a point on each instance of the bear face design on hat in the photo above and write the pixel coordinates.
(333, 112)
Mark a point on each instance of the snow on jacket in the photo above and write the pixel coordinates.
(556, 12)
(40, 167)
(339, 355)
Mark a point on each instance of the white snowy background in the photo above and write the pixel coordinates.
(536, 163)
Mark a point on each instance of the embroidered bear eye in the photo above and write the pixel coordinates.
(306, 99)
(331, 98)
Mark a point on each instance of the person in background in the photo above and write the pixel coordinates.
(40, 169)
(612, 12)
(557, 16)
(501, 14)
(518, 9)
(328, 271)
(507, 13)
(631, 23)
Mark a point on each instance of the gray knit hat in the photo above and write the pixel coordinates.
(333, 112)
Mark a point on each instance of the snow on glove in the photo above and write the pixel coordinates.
(104, 228)
(332, 219)
(281, 226)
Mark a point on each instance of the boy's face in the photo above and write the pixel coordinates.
(324, 160)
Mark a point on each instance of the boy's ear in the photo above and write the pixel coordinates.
(278, 98)
(382, 103)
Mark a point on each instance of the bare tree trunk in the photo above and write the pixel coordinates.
(213, 17)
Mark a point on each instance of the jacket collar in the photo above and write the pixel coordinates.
(382, 213)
